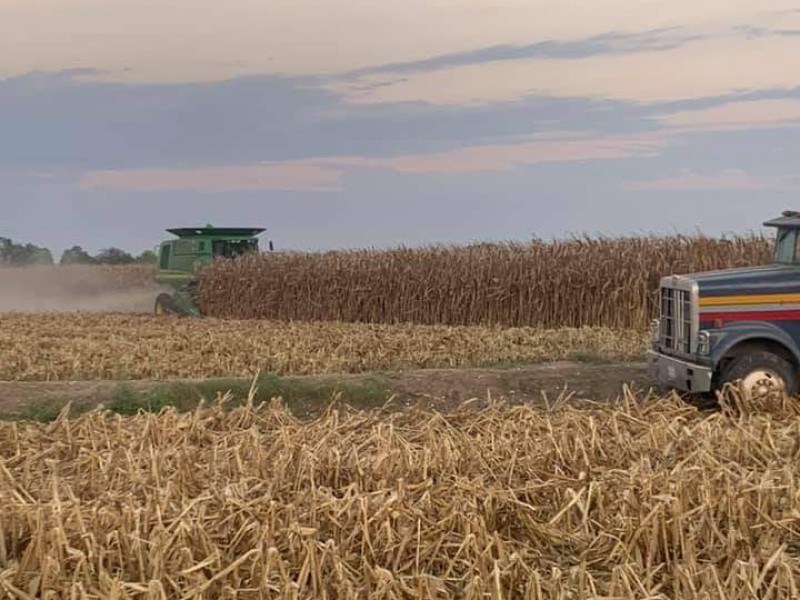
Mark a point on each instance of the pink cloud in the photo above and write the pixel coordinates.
(294, 175)
(754, 114)
(710, 66)
(503, 157)
(324, 174)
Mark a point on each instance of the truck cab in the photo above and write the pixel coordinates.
(734, 325)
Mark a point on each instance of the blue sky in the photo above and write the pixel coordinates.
(351, 124)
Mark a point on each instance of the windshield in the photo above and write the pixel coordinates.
(786, 246)
(231, 248)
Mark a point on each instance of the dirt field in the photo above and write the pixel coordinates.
(436, 388)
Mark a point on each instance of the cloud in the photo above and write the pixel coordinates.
(698, 69)
(204, 40)
(324, 174)
(775, 112)
(764, 31)
(607, 43)
(55, 120)
(734, 180)
(295, 176)
(503, 157)
(60, 119)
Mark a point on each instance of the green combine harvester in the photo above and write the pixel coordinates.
(179, 261)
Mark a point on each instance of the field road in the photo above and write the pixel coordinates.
(441, 388)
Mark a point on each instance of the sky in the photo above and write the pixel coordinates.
(355, 123)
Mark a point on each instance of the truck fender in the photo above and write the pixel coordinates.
(723, 340)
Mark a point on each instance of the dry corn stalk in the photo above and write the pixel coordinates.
(573, 283)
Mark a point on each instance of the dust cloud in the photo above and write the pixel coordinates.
(78, 288)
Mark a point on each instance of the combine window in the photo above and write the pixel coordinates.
(165, 252)
(232, 248)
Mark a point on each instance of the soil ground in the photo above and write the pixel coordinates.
(306, 395)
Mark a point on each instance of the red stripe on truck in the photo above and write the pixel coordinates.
(751, 315)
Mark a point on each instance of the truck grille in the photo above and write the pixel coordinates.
(676, 320)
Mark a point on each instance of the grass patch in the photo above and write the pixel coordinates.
(592, 357)
(44, 412)
(507, 364)
(304, 397)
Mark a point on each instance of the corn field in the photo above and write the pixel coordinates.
(573, 283)
(52, 347)
(641, 498)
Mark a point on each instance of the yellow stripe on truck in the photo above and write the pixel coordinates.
(753, 299)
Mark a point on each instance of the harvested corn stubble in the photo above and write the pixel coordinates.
(643, 498)
(86, 347)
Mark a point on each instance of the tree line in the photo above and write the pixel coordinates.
(14, 254)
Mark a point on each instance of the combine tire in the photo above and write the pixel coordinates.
(165, 305)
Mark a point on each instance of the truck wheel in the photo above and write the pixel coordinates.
(761, 372)
(165, 305)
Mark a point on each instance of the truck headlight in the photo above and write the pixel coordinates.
(655, 330)
(703, 343)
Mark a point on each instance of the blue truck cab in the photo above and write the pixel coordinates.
(732, 326)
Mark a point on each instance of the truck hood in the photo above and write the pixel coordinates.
(767, 279)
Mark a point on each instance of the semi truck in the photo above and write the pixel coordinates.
(734, 326)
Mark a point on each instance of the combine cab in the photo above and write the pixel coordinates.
(180, 259)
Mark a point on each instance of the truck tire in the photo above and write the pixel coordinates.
(761, 372)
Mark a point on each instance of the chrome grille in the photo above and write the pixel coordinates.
(677, 320)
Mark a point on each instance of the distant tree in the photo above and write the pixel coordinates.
(76, 256)
(5, 251)
(40, 256)
(20, 255)
(114, 256)
(148, 257)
